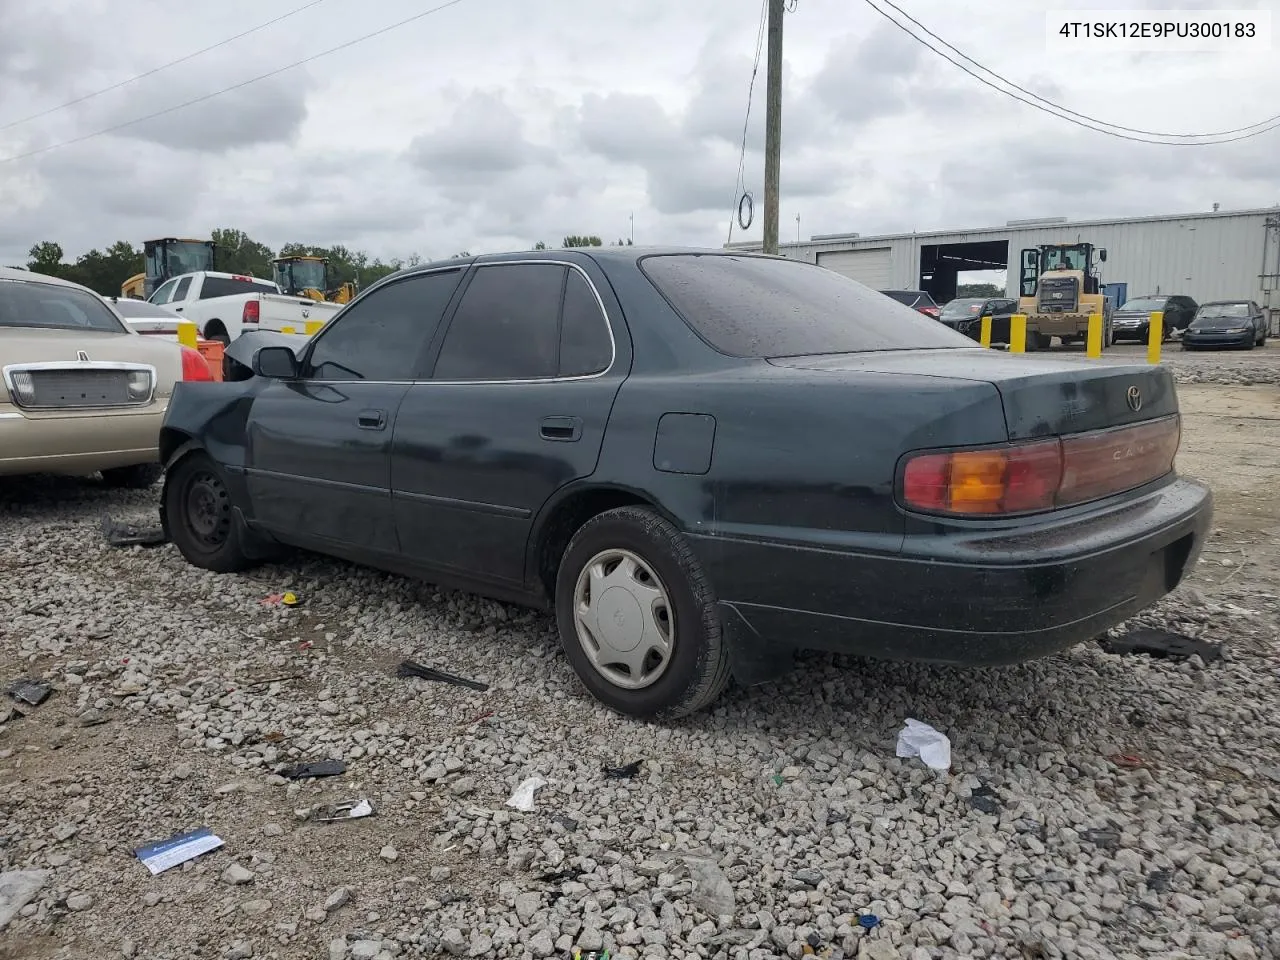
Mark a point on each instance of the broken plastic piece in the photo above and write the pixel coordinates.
(1163, 644)
(625, 772)
(522, 797)
(159, 857)
(868, 921)
(351, 810)
(120, 533)
(984, 800)
(318, 768)
(1129, 761)
(281, 600)
(30, 691)
(410, 669)
(918, 739)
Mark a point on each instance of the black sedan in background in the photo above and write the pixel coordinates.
(700, 461)
(964, 315)
(1132, 321)
(1227, 323)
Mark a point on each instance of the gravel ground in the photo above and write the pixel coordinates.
(1098, 805)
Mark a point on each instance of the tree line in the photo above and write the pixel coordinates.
(105, 270)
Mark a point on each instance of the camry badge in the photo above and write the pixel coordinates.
(1133, 397)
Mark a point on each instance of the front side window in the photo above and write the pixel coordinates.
(51, 307)
(382, 335)
(165, 293)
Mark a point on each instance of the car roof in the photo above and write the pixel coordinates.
(30, 276)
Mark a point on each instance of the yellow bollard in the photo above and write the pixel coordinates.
(1093, 346)
(288, 330)
(984, 337)
(187, 334)
(1018, 333)
(1155, 335)
(313, 326)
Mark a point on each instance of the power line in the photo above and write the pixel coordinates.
(746, 121)
(235, 86)
(1088, 123)
(1058, 106)
(163, 66)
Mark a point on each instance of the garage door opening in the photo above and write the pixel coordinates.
(943, 264)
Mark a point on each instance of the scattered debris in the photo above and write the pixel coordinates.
(1103, 837)
(410, 669)
(1161, 643)
(625, 772)
(522, 797)
(121, 533)
(1159, 881)
(984, 800)
(281, 600)
(30, 691)
(1127, 760)
(161, 856)
(560, 876)
(568, 823)
(318, 768)
(868, 921)
(350, 810)
(17, 889)
(918, 739)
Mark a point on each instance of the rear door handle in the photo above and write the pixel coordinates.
(561, 428)
(372, 419)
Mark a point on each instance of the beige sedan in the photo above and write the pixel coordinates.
(81, 392)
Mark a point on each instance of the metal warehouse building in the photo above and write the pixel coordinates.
(1207, 256)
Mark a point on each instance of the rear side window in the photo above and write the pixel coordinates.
(50, 307)
(229, 287)
(761, 307)
(382, 336)
(507, 326)
(585, 344)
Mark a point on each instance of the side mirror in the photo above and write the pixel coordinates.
(1102, 254)
(275, 363)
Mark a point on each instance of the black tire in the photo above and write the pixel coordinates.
(697, 669)
(197, 510)
(140, 476)
(216, 332)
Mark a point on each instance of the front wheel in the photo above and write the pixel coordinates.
(637, 618)
(197, 509)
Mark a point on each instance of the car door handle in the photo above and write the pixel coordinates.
(372, 419)
(177, 309)
(561, 428)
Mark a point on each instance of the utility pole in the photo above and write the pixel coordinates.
(773, 127)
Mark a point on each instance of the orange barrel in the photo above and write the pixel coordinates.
(212, 351)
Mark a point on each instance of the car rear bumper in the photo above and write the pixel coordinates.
(78, 444)
(1219, 339)
(989, 597)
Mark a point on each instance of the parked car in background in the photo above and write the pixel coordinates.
(633, 439)
(1133, 320)
(964, 315)
(223, 305)
(1227, 323)
(916, 300)
(81, 392)
(147, 318)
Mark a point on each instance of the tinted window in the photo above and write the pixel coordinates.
(585, 346)
(760, 307)
(507, 325)
(45, 305)
(229, 287)
(127, 307)
(382, 335)
(961, 308)
(1146, 303)
(180, 293)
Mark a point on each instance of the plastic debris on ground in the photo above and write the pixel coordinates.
(1163, 644)
(868, 921)
(281, 600)
(984, 800)
(30, 691)
(318, 768)
(625, 772)
(17, 889)
(522, 797)
(166, 854)
(712, 892)
(411, 669)
(349, 810)
(121, 533)
(918, 739)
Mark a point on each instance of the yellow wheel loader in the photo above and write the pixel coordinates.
(303, 276)
(166, 258)
(1060, 287)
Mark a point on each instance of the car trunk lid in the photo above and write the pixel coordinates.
(1042, 396)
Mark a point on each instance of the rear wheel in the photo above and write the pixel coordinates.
(215, 331)
(637, 618)
(136, 477)
(198, 512)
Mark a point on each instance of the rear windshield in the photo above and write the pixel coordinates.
(44, 305)
(140, 308)
(760, 307)
(228, 287)
(962, 308)
(1149, 304)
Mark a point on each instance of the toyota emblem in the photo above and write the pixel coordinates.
(1133, 397)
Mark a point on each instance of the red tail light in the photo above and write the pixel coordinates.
(1042, 475)
(194, 365)
(250, 312)
(930, 311)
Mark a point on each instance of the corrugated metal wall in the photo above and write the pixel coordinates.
(1204, 256)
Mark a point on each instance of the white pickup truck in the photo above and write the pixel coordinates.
(224, 305)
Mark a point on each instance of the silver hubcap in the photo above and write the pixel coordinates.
(624, 619)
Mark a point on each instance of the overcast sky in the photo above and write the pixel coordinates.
(499, 123)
